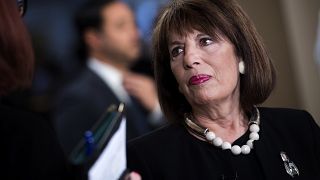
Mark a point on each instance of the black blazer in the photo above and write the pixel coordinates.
(172, 153)
(29, 148)
(81, 104)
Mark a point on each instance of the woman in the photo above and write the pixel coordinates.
(211, 71)
(29, 149)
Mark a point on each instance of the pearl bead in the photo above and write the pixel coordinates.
(250, 143)
(254, 128)
(245, 149)
(226, 145)
(217, 141)
(254, 136)
(210, 136)
(236, 149)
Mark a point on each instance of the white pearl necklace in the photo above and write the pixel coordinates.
(209, 136)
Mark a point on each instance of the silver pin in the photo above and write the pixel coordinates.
(291, 168)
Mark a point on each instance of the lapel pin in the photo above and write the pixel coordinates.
(290, 167)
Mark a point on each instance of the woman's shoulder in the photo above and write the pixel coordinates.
(289, 119)
(280, 110)
(284, 113)
(168, 134)
(19, 119)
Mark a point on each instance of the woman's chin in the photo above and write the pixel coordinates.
(208, 99)
(198, 100)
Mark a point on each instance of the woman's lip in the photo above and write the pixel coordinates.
(199, 79)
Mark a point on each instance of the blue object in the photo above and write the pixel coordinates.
(90, 144)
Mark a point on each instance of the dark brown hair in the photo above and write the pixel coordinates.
(16, 54)
(216, 18)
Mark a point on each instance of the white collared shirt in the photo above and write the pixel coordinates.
(111, 76)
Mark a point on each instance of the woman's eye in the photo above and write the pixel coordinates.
(205, 41)
(176, 51)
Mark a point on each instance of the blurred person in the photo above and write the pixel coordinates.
(211, 71)
(29, 148)
(110, 45)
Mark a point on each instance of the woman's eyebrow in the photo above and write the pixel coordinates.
(201, 35)
(175, 42)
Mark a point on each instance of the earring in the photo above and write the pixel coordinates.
(241, 67)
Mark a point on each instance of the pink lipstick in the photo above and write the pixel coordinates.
(199, 79)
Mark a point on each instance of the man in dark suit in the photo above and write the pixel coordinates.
(111, 45)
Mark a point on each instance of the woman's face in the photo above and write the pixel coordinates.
(206, 69)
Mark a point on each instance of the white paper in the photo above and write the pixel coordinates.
(112, 162)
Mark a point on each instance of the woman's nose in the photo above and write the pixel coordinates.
(191, 58)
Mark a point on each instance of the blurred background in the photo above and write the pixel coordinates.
(288, 27)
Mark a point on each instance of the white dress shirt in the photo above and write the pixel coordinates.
(111, 76)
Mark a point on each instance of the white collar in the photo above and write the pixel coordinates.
(111, 76)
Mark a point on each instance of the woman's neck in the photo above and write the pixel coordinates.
(227, 120)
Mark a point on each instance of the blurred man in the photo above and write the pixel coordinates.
(110, 44)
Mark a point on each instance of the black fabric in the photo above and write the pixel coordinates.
(81, 104)
(29, 148)
(172, 153)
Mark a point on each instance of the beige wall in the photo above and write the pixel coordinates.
(301, 24)
(288, 28)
